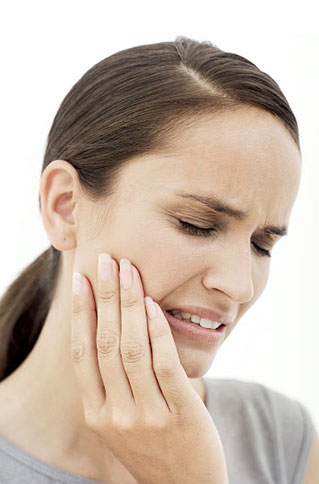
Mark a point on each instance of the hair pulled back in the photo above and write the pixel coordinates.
(129, 104)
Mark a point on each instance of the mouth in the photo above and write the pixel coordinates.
(195, 319)
(195, 330)
(198, 314)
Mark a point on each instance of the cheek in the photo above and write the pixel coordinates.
(163, 262)
(166, 266)
(260, 278)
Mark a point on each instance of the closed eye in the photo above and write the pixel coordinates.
(194, 230)
(209, 232)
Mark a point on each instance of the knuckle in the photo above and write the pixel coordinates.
(160, 330)
(164, 369)
(77, 351)
(122, 422)
(132, 350)
(129, 301)
(78, 308)
(96, 418)
(155, 423)
(90, 419)
(108, 296)
(106, 342)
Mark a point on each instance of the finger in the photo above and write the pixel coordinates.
(135, 344)
(117, 387)
(83, 345)
(171, 376)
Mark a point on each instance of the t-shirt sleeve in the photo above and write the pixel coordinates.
(293, 431)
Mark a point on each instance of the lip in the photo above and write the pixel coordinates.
(196, 332)
(204, 313)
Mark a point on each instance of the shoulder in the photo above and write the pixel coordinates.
(240, 393)
(279, 425)
(296, 434)
(237, 395)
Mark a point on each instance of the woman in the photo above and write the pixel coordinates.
(170, 173)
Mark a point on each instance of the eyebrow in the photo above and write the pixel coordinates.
(220, 206)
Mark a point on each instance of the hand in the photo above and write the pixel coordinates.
(135, 393)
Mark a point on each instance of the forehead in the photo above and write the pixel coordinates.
(246, 156)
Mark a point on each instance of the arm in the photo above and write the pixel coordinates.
(312, 471)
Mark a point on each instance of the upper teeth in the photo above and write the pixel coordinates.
(205, 323)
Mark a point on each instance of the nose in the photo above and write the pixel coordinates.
(230, 271)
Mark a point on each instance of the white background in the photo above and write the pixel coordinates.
(47, 46)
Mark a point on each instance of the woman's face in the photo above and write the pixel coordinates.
(248, 161)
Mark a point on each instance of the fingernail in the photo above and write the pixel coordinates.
(150, 307)
(105, 267)
(126, 275)
(77, 283)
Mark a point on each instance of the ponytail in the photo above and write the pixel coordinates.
(23, 309)
(129, 104)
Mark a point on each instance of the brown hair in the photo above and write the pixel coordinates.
(129, 104)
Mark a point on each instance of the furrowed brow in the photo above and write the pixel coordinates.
(215, 204)
(220, 206)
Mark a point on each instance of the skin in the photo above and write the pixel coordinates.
(245, 157)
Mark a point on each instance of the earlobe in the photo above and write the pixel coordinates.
(59, 195)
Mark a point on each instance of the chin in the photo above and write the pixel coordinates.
(196, 372)
(195, 357)
(196, 366)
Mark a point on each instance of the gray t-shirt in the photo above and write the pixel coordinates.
(266, 437)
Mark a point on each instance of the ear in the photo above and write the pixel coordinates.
(59, 192)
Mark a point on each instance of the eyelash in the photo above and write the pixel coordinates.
(201, 232)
